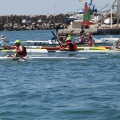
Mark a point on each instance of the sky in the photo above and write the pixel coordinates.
(45, 7)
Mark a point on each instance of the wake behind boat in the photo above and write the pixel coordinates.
(29, 58)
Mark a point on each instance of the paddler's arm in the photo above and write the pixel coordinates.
(6, 47)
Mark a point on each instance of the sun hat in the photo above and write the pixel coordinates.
(87, 33)
(17, 41)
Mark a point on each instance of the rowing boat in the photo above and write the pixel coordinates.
(28, 51)
(58, 47)
(32, 43)
(78, 48)
(45, 42)
(40, 51)
(53, 42)
(39, 42)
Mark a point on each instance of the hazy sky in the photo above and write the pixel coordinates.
(45, 7)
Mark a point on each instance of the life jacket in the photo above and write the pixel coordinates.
(22, 54)
(72, 46)
(75, 46)
(89, 42)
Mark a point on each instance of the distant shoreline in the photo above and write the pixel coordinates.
(35, 22)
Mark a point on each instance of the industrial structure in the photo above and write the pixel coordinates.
(104, 21)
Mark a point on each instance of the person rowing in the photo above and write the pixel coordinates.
(20, 50)
(90, 40)
(82, 38)
(72, 46)
(3, 38)
(117, 44)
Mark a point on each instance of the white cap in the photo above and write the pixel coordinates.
(87, 33)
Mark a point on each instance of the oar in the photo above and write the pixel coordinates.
(72, 31)
(56, 38)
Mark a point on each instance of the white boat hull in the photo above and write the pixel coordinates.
(52, 42)
(38, 58)
(109, 40)
(39, 42)
(32, 43)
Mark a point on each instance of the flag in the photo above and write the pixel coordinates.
(86, 16)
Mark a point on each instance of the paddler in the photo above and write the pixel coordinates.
(20, 50)
(82, 38)
(3, 38)
(117, 44)
(69, 45)
(90, 40)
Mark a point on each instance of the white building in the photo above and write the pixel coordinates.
(25, 21)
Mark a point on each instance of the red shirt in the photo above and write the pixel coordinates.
(71, 46)
(21, 53)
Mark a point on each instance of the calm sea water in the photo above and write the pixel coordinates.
(85, 89)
